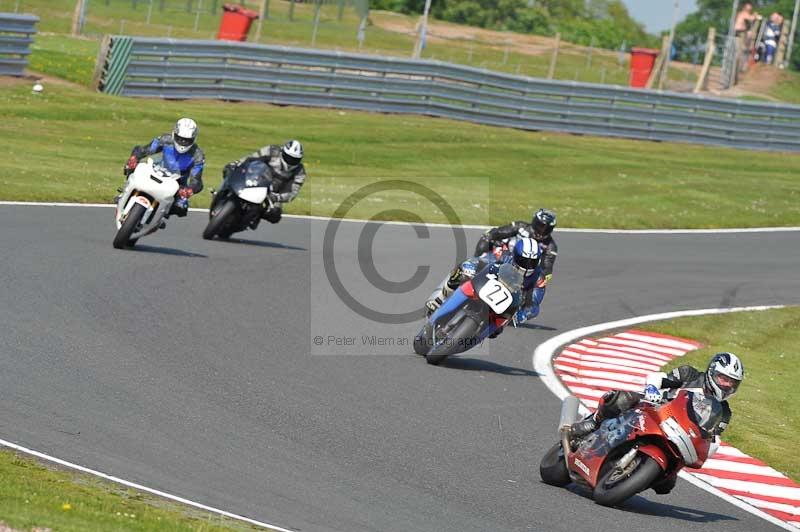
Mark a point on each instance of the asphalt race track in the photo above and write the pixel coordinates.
(189, 366)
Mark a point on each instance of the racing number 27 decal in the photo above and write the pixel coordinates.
(496, 295)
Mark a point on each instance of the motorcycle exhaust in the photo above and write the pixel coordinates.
(569, 412)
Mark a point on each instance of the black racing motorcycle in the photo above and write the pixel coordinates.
(242, 198)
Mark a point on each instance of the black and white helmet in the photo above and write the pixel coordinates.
(724, 375)
(543, 223)
(184, 134)
(292, 154)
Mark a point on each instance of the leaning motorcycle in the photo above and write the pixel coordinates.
(143, 203)
(478, 308)
(637, 450)
(239, 202)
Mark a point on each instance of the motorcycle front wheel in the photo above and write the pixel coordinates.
(553, 468)
(218, 220)
(615, 486)
(457, 340)
(123, 236)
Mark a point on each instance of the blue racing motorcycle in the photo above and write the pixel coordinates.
(479, 308)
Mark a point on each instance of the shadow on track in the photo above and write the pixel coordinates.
(477, 364)
(643, 506)
(536, 327)
(168, 251)
(260, 243)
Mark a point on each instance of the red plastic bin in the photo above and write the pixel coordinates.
(235, 23)
(642, 62)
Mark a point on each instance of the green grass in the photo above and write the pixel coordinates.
(65, 57)
(788, 89)
(119, 17)
(33, 495)
(72, 142)
(765, 419)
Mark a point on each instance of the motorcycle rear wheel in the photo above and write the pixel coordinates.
(455, 342)
(607, 493)
(553, 469)
(123, 237)
(218, 220)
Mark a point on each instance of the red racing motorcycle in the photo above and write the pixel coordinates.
(637, 450)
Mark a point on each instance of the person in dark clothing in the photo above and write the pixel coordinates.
(288, 174)
(540, 229)
(720, 380)
(180, 154)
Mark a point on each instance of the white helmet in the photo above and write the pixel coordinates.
(292, 153)
(184, 134)
(723, 376)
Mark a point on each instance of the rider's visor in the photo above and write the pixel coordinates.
(291, 161)
(541, 229)
(183, 141)
(725, 383)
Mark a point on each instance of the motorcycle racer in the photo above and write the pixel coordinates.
(288, 174)
(181, 154)
(720, 380)
(524, 254)
(540, 229)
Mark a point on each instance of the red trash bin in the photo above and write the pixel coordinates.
(642, 62)
(235, 23)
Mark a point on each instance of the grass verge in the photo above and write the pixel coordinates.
(69, 145)
(765, 421)
(33, 495)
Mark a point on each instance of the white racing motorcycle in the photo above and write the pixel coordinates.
(146, 198)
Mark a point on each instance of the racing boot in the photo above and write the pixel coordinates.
(180, 207)
(581, 429)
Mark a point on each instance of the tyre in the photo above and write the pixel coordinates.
(458, 339)
(553, 469)
(123, 236)
(422, 341)
(614, 487)
(219, 219)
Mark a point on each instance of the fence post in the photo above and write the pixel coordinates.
(261, 16)
(362, 32)
(291, 10)
(702, 79)
(197, 15)
(780, 54)
(554, 59)
(340, 14)
(589, 56)
(659, 66)
(78, 16)
(317, 8)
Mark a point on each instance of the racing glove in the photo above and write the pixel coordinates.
(130, 166)
(185, 192)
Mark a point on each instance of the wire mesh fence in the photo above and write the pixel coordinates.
(341, 25)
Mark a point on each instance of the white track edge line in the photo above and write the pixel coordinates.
(545, 352)
(139, 487)
(464, 226)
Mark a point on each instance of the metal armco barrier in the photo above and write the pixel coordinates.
(16, 36)
(183, 69)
